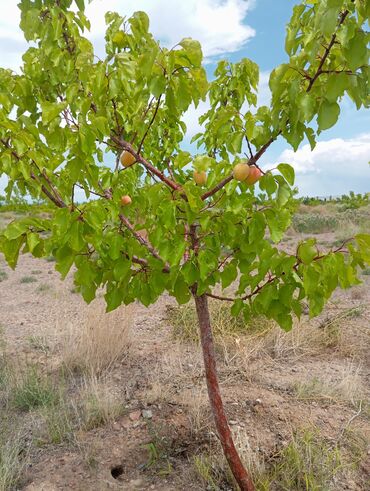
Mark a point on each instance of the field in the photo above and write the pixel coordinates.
(95, 401)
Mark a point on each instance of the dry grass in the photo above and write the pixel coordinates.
(94, 405)
(12, 460)
(99, 341)
(178, 366)
(99, 404)
(244, 350)
(345, 387)
(307, 462)
(196, 405)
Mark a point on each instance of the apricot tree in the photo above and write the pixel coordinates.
(67, 112)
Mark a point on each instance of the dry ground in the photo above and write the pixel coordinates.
(94, 401)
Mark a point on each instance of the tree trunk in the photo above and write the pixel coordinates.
(240, 473)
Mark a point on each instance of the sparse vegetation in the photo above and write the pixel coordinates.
(44, 287)
(314, 224)
(346, 387)
(39, 343)
(100, 341)
(183, 321)
(3, 275)
(28, 279)
(98, 404)
(59, 420)
(33, 389)
(307, 463)
(12, 460)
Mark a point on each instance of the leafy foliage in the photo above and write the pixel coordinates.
(67, 113)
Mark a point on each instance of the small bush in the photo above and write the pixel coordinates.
(28, 279)
(39, 343)
(3, 275)
(34, 390)
(346, 387)
(44, 287)
(59, 422)
(99, 405)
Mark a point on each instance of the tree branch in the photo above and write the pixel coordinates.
(327, 51)
(251, 161)
(54, 195)
(128, 147)
(150, 124)
(142, 241)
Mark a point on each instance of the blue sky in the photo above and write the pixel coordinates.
(234, 29)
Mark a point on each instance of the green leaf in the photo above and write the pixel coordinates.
(193, 50)
(113, 297)
(65, 258)
(328, 115)
(228, 274)
(51, 110)
(32, 241)
(80, 4)
(237, 307)
(307, 251)
(287, 172)
(181, 290)
(284, 193)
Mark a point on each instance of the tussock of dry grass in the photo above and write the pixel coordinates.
(12, 461)
(99, 340)
(178, 366)
(99, 404)
(345, 387)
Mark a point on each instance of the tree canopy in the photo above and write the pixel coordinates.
(68, 110)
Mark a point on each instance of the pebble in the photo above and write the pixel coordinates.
(135, 415)
(147, 413)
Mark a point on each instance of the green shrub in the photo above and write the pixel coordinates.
(3, 275)
(28, 279)
(34, 390)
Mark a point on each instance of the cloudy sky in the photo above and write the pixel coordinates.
(234, 29)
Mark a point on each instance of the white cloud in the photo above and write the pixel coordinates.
(334, 166)
(217, 24)
(338, 154)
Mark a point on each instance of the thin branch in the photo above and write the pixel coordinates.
(251, 161)
(327, 51)
(126, 146)
(141, 240)
(249, 147)
(219, 297)
(54, 197)
(150, 124)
